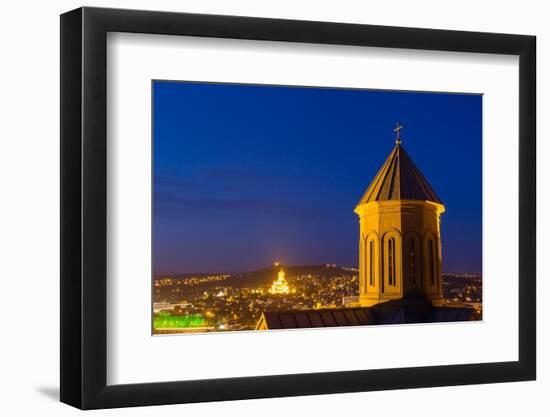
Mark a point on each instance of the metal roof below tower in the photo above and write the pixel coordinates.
(362, 316)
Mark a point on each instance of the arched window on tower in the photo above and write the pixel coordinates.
(412, 261)
(431, 260)
(391, 261)
(371, 263)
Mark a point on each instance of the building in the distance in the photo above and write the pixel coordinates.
(280, 285)
(400, 278)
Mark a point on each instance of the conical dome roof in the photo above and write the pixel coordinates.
(399, 179)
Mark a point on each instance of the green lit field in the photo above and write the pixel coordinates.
(165, 322)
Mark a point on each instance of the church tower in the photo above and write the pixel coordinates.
(400, 239)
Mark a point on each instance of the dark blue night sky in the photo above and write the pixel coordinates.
(248, 175)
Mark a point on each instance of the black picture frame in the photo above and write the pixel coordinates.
(84, 207)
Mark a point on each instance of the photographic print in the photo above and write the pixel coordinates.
(287, 207)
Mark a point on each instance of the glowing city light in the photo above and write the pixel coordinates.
(280, 285)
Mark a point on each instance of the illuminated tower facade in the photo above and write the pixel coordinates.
(400, 238)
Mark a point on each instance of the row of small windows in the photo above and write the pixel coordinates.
(392, 280)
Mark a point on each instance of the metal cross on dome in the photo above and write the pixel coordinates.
(397, 130)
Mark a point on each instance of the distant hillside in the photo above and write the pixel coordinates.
(266, 275)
